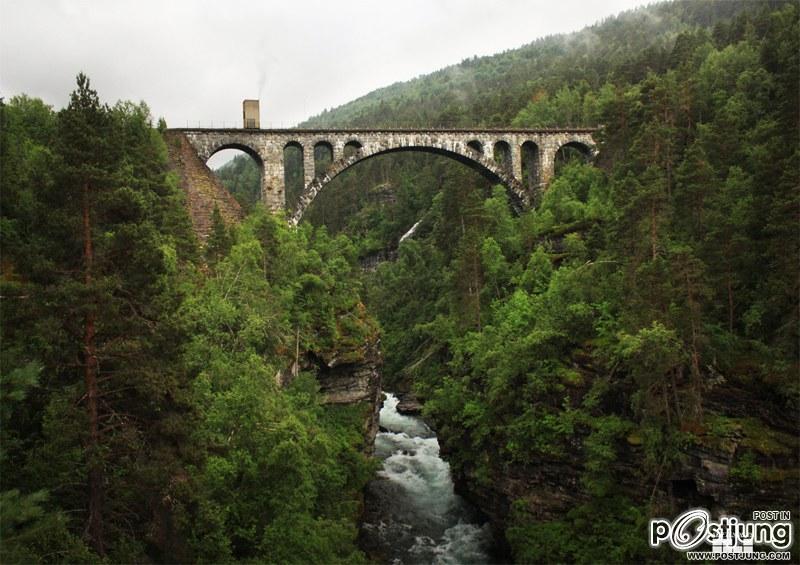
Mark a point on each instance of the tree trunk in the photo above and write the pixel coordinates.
(653, 230)
(730, 303)
(694, 318)
(94, 527)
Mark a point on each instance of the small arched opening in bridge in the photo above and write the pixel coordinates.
(239, 168)
(475, 146)
(502, 155)
(529, 153)
(293, 171)
(352, 148)
(323, 157)
(572, 151)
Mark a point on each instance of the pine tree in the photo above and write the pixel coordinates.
(84, 135)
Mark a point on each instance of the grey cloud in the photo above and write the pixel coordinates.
(195, 61)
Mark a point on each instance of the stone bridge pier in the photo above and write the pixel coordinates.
(522, 160)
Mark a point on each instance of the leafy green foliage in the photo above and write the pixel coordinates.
(281, 480)
(612, 530)
(201, 454)
(31, 532)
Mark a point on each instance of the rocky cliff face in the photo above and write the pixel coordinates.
(352, 379)
(355, 383)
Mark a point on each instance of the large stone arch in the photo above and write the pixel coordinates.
(552, 145)
(293, 160)
(253, 153)
(502, 154)
(530, 157)
(352, 147)
(460, 152)
(476, 146)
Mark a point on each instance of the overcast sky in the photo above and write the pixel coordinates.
(196, 60)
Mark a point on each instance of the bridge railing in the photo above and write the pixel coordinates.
(201, 126)
(224, 124)
(237, 125)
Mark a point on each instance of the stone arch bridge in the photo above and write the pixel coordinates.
(523, 160)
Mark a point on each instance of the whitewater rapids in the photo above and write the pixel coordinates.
(413, 515)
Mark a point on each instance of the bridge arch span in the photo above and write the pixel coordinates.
(214, 148)
(495, 172)
(502, 153)
(323, 156)
(476, 146)
(293, 159)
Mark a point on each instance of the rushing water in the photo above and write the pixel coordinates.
(413, 515)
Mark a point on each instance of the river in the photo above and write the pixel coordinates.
(412, 512)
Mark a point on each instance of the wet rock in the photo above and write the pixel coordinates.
(409, 404)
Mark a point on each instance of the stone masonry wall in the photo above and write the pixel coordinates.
(203, 190)
(266, 147)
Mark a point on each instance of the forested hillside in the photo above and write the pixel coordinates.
(241, 177)
(142, 414)
(549, 72)
(645, 312)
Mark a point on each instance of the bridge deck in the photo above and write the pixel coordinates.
(387, 130)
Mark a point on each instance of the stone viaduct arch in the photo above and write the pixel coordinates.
(502, 155)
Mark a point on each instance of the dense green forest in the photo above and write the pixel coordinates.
(142, 418)
(141, 415)
(641, 292)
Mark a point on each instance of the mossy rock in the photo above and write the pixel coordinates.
(773, 475)
(765, 440)
(634, 438)
(721, 433)
(726, 432)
